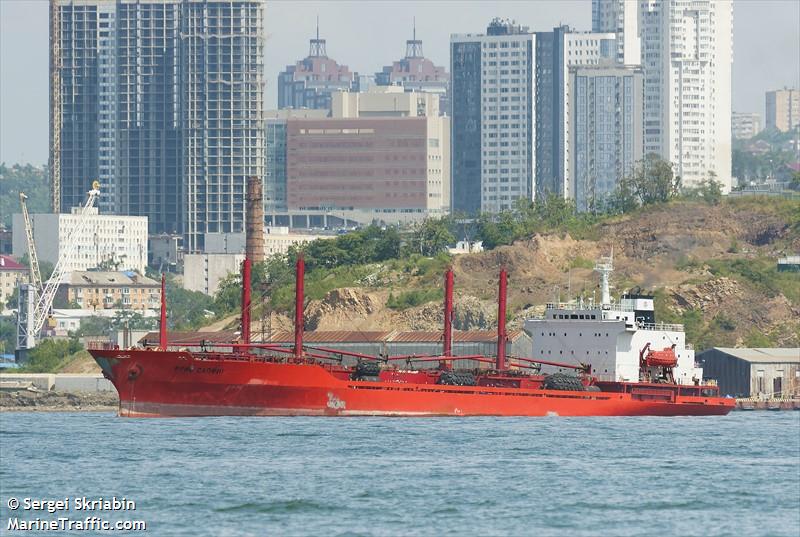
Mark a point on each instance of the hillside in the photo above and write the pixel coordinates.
(712, 267)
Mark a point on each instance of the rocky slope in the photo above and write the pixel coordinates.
(666, 250)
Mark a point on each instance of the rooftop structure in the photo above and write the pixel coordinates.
(310, 82)
(414, 72)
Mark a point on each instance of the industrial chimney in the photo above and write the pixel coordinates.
(255, 220)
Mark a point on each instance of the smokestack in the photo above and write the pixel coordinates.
(255, 220)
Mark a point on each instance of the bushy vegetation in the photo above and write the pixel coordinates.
(412, 298)
(50, 355)
(26, 178)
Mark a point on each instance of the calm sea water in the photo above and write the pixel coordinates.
(737, 475)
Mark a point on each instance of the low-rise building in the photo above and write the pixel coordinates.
(12, 273)
(761, 372)
(109, 241)
(98, 290)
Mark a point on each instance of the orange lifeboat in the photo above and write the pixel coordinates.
(662, 358)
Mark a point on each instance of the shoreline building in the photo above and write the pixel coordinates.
(162, 103)
(417, 73)
(310, 82)
(686, 51)
(118, 242)
(606, 105)
(783, 109)
(493, 103)
(382, 156)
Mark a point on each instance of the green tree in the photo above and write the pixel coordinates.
(23, 178)
(50, 354)
(432, 236)
(653, 180)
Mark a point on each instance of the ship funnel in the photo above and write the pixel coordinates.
(501, 321)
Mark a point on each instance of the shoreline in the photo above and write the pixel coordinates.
(32, 400)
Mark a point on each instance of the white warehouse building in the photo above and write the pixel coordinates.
(117, 242)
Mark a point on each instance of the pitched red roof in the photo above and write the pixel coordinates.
(9, 263)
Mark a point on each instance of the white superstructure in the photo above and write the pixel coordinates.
(609, 336)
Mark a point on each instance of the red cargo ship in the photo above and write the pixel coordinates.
(245, 378)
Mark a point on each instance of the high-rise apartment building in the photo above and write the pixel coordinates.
(417, 73)
(162, 102)
(493, 99)
(745, 125)
(686, 53)
(783, 109)
(311, 81)
(621, 18)
(556, 53)
(606, 104)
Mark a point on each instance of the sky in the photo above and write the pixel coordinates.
(366, 35)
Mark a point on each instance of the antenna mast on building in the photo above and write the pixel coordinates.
(414, 46)
(55, 106)
(317, 48)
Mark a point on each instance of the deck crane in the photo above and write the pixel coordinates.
(35, 301)
(33, 259)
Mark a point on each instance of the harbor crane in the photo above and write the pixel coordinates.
(36, 299)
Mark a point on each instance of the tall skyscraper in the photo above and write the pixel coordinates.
(783, 109)
(606, 105)
(686, 52)
(556, 53)
(221, 113)
(162, 102)
(415, 72)
(310, 82)
(493, 99)
(140, 119)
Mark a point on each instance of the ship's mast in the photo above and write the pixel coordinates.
(447, 348)
(605, 266)
(162, 326)
(246, 301)
(300, 269)
(501, 322)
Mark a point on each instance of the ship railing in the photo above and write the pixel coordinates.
(668, 327)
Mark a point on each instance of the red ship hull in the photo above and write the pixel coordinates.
(155, 383)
